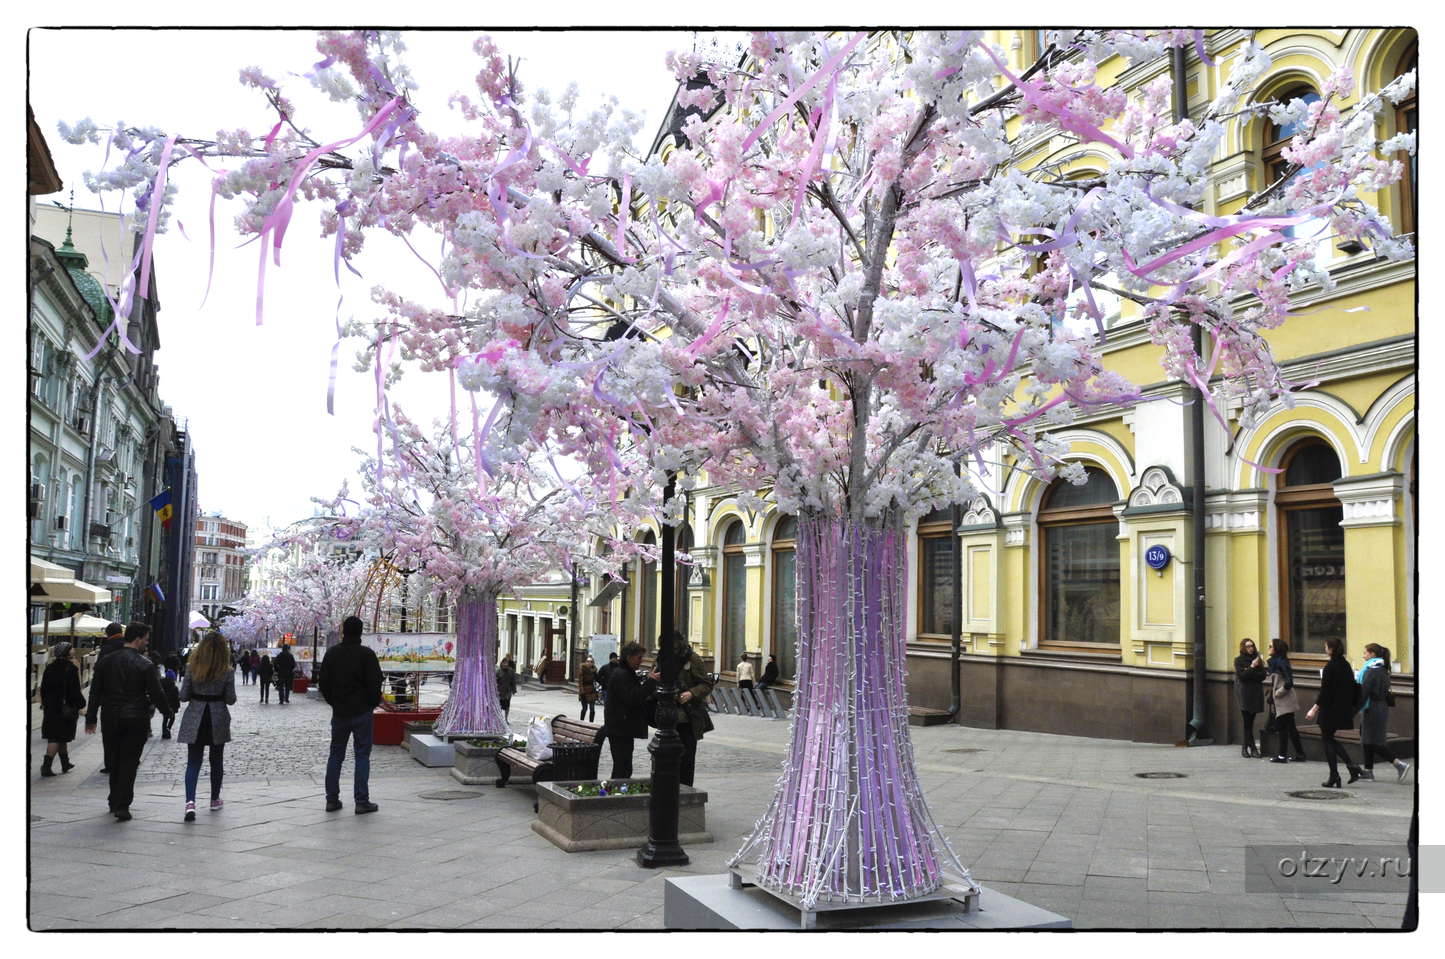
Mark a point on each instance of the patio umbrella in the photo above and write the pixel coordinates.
(198, 621)
(73, 626)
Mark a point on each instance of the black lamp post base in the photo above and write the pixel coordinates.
(657, 855)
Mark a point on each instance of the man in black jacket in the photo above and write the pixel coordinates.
(605, 673)
(114, 641)
(351, 683)
(624, 714)
(285, 665)
(125, 687)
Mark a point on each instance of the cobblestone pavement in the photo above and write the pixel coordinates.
(1064, 823)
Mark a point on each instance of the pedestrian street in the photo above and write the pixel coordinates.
(1064, 823)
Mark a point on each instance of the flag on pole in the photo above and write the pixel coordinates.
(161, 503)
(155, 590)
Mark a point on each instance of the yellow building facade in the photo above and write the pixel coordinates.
(1066, 627)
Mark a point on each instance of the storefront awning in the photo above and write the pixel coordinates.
(44, 572)
(75, 591)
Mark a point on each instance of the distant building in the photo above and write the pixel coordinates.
(219, 568)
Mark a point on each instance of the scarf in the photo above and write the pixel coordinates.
(1372, 663)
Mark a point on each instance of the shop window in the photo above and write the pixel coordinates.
(735, 596)
(785, 596)
(1312, 548)
(935, 575)
(1079, 567)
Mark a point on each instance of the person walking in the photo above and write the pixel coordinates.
(624, 713)
(209, 688)
(770, 673)
(745, 674)
(60, 705)
(351, 683)
(1285, 699)
(507, 684)
(124, 689)
(1335, 708)
(264, 673)
(1249, 676)
(541, 668)
(114, 641)
(173, 696)
(285, 665)
(245, 667)
(587, 691)
(1374, 680)
(692, 716)
(255, 666)
(604, 674)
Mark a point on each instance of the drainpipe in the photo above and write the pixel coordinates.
(1197, 732)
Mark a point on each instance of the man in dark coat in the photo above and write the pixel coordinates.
(285, 665)
(125, 688)
(605, 673)
(351, 683)
(624, 713)
(114, 640)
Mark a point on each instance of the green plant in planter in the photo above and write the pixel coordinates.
(605, 788)
(488, 742)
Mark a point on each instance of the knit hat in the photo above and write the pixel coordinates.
(62, 650)
(170, 674)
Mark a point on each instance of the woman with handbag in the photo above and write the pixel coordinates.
(1285, 699)
(61, 703)
(1249, 675)
(1374, 680)
(209, 687)
(587, 690)
(1335, 708)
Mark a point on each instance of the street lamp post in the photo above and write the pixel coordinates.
(662, 847)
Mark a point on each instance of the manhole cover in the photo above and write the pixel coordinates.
(1320, 794)
(453, 794)
(963, 750)
(1160, 775)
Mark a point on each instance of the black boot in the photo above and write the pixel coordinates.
(65, 764)
(1355, 774)
(45, 769)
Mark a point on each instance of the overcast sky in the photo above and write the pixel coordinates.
(254, 398)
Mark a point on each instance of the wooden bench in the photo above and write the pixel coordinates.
(565, 729)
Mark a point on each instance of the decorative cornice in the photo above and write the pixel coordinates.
(1156, 488)
(753, 554)
(1241, 511)
(980, 516)
(704, 556)
(1369, 500)
(1016, 529)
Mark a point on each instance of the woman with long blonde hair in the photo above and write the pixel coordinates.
(209, 687)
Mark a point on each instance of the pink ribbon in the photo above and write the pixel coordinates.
(834, 63)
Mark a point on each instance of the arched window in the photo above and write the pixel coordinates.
(1312, 547)
(935, 574)
(785, 596)
(735, 596)
(1407, 116)
(1079, 566)
(1277, 137)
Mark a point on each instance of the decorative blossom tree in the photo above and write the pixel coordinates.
(843, 285)
(475, 534)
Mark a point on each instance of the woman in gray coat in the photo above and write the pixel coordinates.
(209, 687)
(1375, 714)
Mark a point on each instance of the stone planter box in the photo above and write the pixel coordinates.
(586, 823)
(474, 765)
(432, 751)
(410, 729)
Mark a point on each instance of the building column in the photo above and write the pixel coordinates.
(756, 631)
(1375, 580)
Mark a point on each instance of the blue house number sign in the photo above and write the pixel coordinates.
(1157, 557)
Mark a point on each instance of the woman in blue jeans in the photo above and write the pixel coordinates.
(209, 688)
